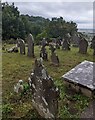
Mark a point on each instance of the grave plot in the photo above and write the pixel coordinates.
(81, 78)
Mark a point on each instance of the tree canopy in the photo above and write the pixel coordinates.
(16, 25)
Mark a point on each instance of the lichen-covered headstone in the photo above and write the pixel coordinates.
(81, 78)
(21, 44)
(30, 46)
(54, 57)
(83, 45)
(44, 92)
(43, 52)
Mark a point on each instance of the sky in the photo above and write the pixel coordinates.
(79, 12)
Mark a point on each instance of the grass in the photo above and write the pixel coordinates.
(16, 67)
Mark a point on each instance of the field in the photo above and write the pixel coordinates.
(16, 67)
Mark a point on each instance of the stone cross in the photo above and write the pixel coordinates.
(30, 46)
(44, 92)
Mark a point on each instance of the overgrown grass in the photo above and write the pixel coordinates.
(16, 67)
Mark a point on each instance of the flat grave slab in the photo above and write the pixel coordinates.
(81, 77)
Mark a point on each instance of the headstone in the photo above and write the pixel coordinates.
(65, 45)
(30, 46)
(43, 52)
(83, 45)
(54, 41)
(18, 88)
(21, 44)
(57, 44)
(54, 57)
(44, 92)
(93, 45)
(13, 49)
(75, 40)
(81, 78)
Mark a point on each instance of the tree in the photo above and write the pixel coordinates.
(10, 17)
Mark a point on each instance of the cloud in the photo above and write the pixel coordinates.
(48, 0)
(79, 12)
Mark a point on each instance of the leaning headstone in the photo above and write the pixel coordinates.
(44, 92)
(93, 45)
(30, 46)
(43, 52)
(54, 57)
(83, 45)
(21, 44)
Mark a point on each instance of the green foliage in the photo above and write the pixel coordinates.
(10, 21)
(40, 36)
(15, 25)
(59, 27)
(6, 109)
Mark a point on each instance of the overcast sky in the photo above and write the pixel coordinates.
(79, 12)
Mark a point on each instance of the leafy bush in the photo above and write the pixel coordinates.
(6, 109)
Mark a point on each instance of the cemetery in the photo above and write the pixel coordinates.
(49, 74)
(70, 103)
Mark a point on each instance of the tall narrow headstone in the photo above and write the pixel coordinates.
(54, 57)
(30, 46)
(43, 52)
(44, 92)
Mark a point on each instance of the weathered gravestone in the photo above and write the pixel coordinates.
(57, 46)
(58, 43)
(75, 40)
(54, 57)
(65, 45)
(13, 49)
(44, 93)
(30, 46)
(93, 45)
(21, 44)
(81, 78)
(43, 52)
(83, 45)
